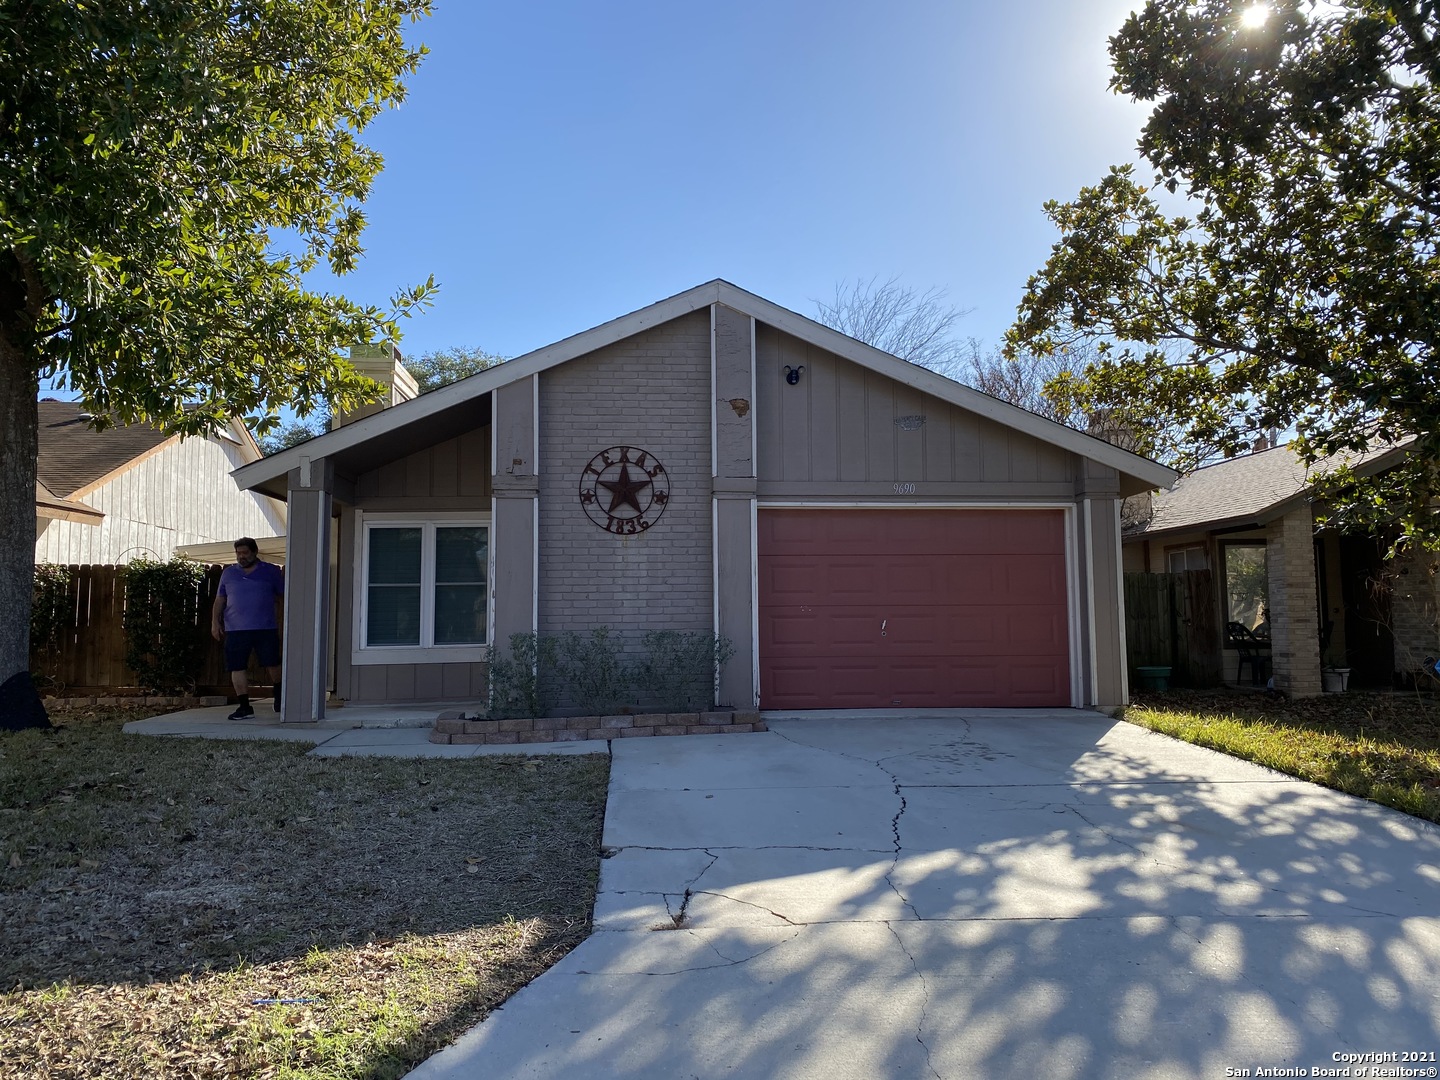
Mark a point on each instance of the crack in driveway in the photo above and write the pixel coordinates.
(924, 1001)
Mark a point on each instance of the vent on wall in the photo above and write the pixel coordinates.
(909, 423)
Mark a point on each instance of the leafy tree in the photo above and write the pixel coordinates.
(150, 153)
(1300, 289)
(445, 366)
(292, 434)
(915, 326)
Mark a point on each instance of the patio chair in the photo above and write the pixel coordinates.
(1244, 642)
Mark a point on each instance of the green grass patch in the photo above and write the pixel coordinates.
(192, 908)
(1383, 747)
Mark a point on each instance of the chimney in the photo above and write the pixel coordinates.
(1103, 424)
(384, 364)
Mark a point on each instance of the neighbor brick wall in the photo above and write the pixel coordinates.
(1414, 608)
(652, 391)
(1290, 566)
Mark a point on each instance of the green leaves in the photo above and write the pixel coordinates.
(149, 153)
(1302, 291)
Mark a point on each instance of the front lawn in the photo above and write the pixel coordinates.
(191, 908)
(1384, 747)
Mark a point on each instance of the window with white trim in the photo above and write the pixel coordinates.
(423, 589)
(1180, 559)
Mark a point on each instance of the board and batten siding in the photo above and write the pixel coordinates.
(450, 476)
(843, 424)
(181, 494)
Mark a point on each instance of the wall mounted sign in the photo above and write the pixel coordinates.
(624, 490)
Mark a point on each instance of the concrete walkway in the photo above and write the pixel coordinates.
(984, 894)
(356, 731)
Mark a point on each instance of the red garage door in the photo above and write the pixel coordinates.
(874, 609)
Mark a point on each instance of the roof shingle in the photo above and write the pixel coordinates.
(72, 454)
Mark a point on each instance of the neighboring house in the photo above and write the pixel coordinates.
(1332, 599)
(865, 532)
(106, 497)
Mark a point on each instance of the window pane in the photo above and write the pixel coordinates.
(395, 556)
(393, 615)
(460, 614)
(460, 555)
(1246, 585)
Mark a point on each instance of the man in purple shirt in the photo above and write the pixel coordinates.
(244, 619)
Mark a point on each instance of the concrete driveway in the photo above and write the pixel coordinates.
(1037, 894)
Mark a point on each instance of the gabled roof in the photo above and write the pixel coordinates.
(73, 457)
(50, 505)
(1251, 490)
(443, 405)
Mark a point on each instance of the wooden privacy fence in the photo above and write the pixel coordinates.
(90, 652)
(1171, 621)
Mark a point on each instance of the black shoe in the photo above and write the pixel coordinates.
(244, 712)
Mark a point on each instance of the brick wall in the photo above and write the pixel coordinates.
(1290, 567)
(650, 391)
(1414, 608)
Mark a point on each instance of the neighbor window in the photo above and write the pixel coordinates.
(423, 585)
(1179, 560)
(1247, 590)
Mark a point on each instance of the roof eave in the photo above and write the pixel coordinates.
(264, 474)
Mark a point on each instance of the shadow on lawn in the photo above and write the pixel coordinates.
(127, 860)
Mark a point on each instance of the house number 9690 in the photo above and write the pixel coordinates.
(904, 489)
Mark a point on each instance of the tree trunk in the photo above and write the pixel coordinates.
(19, 424)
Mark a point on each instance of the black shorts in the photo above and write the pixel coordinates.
(240, 643)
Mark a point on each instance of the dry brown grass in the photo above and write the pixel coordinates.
(189, 908)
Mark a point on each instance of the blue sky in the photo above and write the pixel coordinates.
(558, 164)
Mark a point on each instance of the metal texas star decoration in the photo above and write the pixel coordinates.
(637, 485)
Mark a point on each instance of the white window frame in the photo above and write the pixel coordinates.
(1184, 551)
(360, 653)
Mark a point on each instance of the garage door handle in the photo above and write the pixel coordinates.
(882, 626)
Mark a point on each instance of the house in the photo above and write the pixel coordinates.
(864, 532)
(109, 496)
(1332, 599)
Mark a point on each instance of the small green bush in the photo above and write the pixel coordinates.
(51, 614)
(678, 671)
(523, 683)
(595, 673)
(590, 673)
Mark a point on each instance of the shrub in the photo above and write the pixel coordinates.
(678, 671)
(51, 613)
(164, 645)
(595, 673)
(522, 684)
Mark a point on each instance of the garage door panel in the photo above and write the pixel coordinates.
(793, 576)
(973, 606)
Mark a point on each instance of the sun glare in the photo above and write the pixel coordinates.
(1254, 16)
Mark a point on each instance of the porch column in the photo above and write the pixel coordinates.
(515, 512)
(733, 502)
(1294, 636)
(307, 591)
(1104, 678)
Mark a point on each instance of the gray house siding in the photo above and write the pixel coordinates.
(838, 426)
(650, 391)
(454, 475)
(735, 505)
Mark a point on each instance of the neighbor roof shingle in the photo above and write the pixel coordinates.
(1241, 489)
(72, 454)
